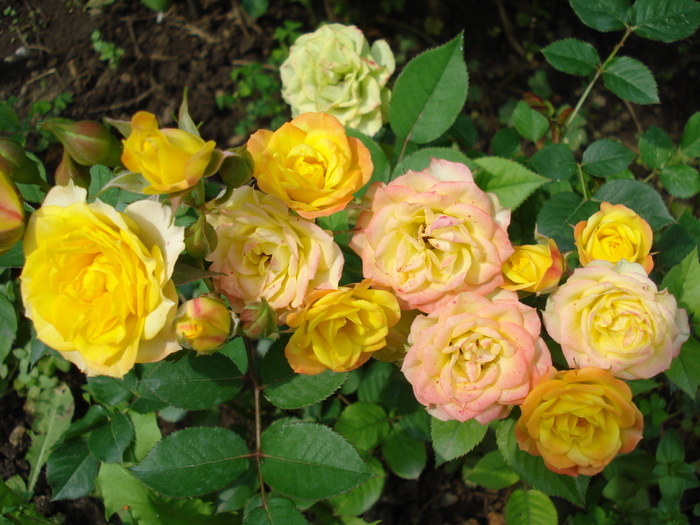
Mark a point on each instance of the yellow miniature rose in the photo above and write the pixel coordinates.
(612, 234)
(339, 329)
(11, 213)
(310, 164)
(97, 282)
(533, 268)
(171, 160)
(203, 324)
(578, 421)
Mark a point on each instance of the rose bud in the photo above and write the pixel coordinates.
(87, 142)
(534, 268)
(200, 238)
(237, 169)
(15, 163)
(69, 170)
(258, 320)
(11, 213)
(203, 324)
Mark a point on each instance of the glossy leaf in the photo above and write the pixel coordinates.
(511, 182)
(606, 157)
(631, 80)
(655, 147)
(506, 143)
(452, 439)
(14, 258)
(111, 391)
(665, 20)
(193, 461)
(559, 215)
(310, 461)
(108, 442)
(530, 507)
(685, 369)
(680, 180)
(603, 15)
(555, 161)
(572, 56)
(71, 470)
(492, 472)
(405, 456)
(363, 424)
(531, 124)
(638, 196)
(430, 93)
(683, 281)
(99, 177)
(360, 499)
(195, 382)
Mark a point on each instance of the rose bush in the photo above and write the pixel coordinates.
(334, 70)
(171, 160)
(96, 282)
(203, 324)
(432, 234)
(579, 420)
(533, 268)
(475, 357)
(612, 234)
(311, 164)
(612, 316)
(263, 251)
(339, 329)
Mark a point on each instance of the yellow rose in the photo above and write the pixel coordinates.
(203, 324)
(11, 213)
(533, 268)
(612, 234)
(171, 160)
(310, 164)
(339, 329)
(578, 421)
(96, 282)
(612, 316)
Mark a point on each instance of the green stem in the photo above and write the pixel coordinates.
(598, 73)
(257, 388)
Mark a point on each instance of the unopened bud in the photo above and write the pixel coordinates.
(237, 168)
(11, 214)
(200, 238)
(87, 142)
(258, 320)
(203, 324)
(16, 164)
(69, 170)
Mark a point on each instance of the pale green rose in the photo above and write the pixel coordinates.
(335, 71)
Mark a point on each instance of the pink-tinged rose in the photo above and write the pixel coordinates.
(612, 234)
(97, 282)
(534, 268)
(203, 324)
(265, 252)
(578, 421)
(613, 317)
(475, 357)
(311, 164)
(340, 329)
(11, 213)
(432, 234)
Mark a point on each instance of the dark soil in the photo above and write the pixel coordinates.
(46, 50)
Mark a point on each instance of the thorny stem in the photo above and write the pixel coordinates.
(257, 388)
(598, 73)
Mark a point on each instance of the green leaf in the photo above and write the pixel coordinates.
(680, 180)
(685, 369)
(529, 508)
(235, 496)
(52, 413)
(121, 491)
(288, 390)
(677, 241)
(108, 442)
(670, 448)
(99, 177)
(255, 8)
(533, 471)
(572, 56)
(193, 461)
(420, 160)
(603, 15)
(690, 141)
(71, 470)
(511, 182)
(111, 391)
(655, 147)
(309, 461)
(683, 281)
(531, 124)
(464, 131)
(195, 382)
(606, 157)
(381, 167)
(133, 182)
(147, 433)
(38, 348)
(184, 273)
(555, 161)
(360, 499)
(631, 80)
(363, 424)
(8, 326)
(452, 439)
(560, 214)
(374, 379)
(405, 456)
(492, 472)
(506, 143)
(637, 196)
(13, 258)
(430, 93)
(280, 511)
(184, 120)
(665, 20)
